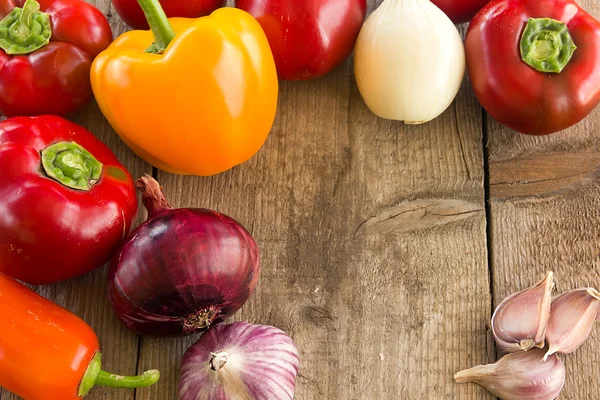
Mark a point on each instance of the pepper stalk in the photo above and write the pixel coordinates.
(546, 45)
(95, 376)
(25, 30)
(159, 24)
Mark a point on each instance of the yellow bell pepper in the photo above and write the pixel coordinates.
(191, 96)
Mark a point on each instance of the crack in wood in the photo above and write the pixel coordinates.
(526, 182)
(543, 174)
(460, 142)
(418, 215)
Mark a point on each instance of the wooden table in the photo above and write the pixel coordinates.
(384, 247)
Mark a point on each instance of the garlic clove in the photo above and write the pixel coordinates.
(519, 322)
(519, 376)
(572, 318)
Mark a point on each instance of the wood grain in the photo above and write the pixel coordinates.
(545, 215)
(389, 310)
(86, 296)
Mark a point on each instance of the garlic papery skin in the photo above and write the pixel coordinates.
(409, 61)
(519, 322)
(240, 361)
(519, 376)
(572, 317)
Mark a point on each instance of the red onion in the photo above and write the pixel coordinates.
(182, 270)
(240, 361)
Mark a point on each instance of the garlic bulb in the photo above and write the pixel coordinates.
(572, 317)
(519, 376)
(240, 361)
(409, 61)
(519, 322)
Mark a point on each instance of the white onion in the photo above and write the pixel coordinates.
(409, 61)
(240, 361)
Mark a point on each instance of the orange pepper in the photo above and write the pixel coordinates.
(47, 353)
(191, 96)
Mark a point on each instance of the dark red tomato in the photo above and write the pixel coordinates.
(131, 12)
(308, 38)
(66, 203)
(535, 65)
(460, 11)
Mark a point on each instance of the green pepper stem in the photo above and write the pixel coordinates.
(25, 30)
(71, 165)
(546, 45)
(95, 376)
(159, 23)
(148, 378)
(26, 18)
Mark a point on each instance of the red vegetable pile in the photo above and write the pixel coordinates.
(67, 204)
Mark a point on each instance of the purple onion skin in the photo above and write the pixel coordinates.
(182, 271)
(262, 364)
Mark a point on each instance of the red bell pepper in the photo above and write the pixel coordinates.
(131, 12)
(65, 201)
(535, 64)
(308, 38)
(46, 52)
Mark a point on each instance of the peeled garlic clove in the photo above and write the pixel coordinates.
(572, 318)
(519, 322)
(519, 376)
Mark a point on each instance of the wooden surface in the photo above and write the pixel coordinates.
(380, 255)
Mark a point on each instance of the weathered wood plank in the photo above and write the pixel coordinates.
(373, 245)
(545, 211)
(86, 296)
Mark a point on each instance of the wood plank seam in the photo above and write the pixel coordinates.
(488, 211)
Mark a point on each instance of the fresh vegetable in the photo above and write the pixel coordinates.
(182, 270)
(240, 361)
(519, 322)
(46, 51)
(48, 353)
(308, 38)
(571, 320)
(203, 99)
(460, 11)
(534, 64)
(409, 61)
(523, 325)
(66, 201)
(131, 12)
(519, 376)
